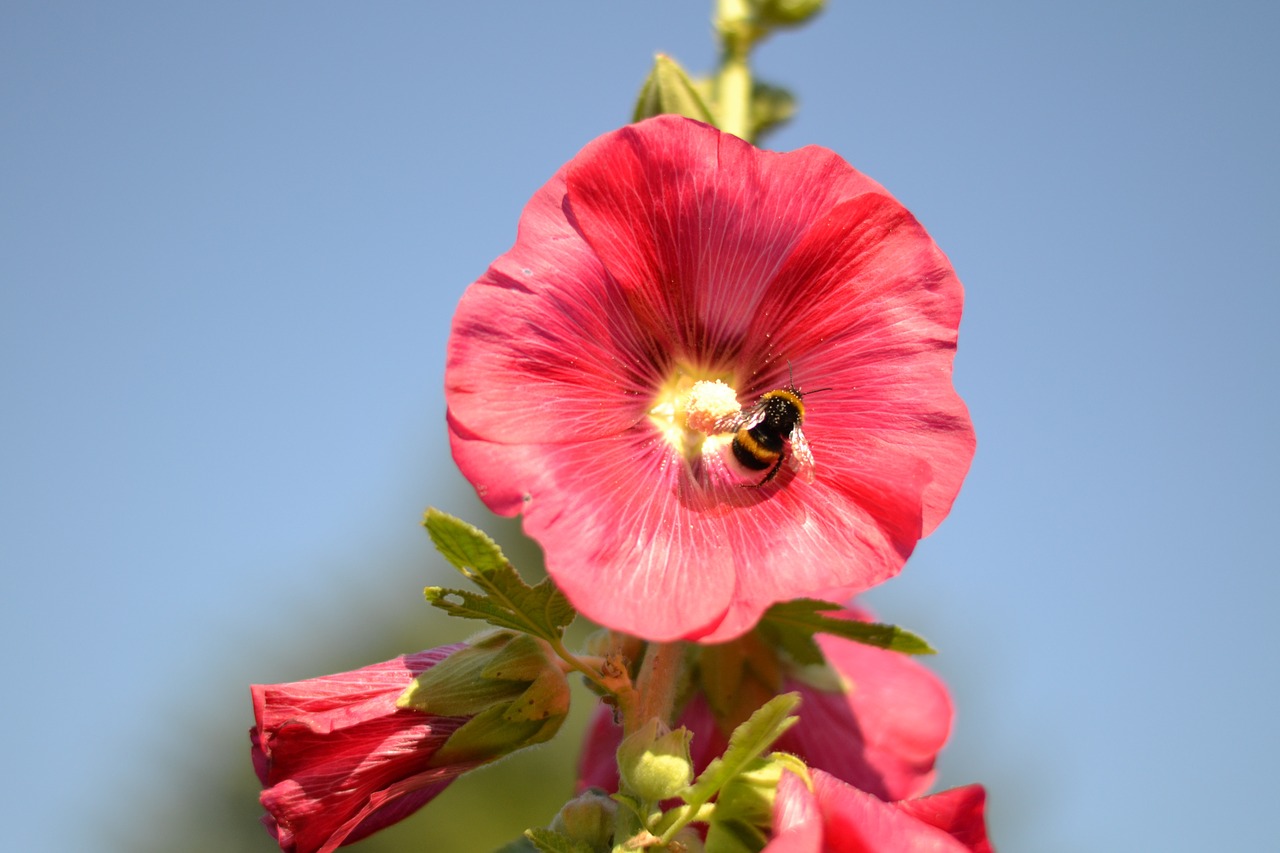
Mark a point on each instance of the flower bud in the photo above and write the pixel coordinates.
(338, 760)
(654, 763)
(587, 818)
(668, 90)
(789, 13)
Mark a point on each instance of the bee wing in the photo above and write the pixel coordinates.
(745, 419)
(801, 455)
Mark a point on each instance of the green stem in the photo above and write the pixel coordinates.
(656, 685)
(733, 82)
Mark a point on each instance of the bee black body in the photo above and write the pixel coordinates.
(761, 442)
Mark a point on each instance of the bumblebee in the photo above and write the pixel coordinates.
(768, 434)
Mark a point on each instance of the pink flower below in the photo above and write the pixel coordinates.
(667, 254)
(338, 760)
(838, 818)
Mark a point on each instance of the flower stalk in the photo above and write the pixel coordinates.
(657, 685)
(733, 83)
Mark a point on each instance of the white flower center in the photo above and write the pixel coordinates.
(690, 413)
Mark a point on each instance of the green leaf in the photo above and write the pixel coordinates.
(549, 841)
(747, 743)
(506, 600)
(465, 546)
(792, 625)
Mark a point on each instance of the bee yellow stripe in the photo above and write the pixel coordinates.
(759, 451)
(790, 396)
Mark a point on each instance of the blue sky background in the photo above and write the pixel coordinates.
(232, 236)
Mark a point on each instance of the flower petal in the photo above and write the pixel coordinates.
(797, 819)
(869, 306)
(694, 224)
(884, 734)
(856, 822)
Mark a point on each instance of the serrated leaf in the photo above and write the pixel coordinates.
(550, 841)
(507, 601)
(747, 743)
(462, 544)
(792, 625)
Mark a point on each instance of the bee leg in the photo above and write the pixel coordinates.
(773, 472)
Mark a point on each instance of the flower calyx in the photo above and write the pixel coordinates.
(510, 684)
(654, 762)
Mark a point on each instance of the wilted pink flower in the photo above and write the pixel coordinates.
(880, 731)
(338, 760)
(838, 818)
(668, 256)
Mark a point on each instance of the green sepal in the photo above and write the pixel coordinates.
(738, 677)
(654, 762)
(545, 698)
(792, 624)
(549, 841)
(460, 686)
(689, 840)
(509, 684)
(744, 806)
(747, 743)
(734, 836)
(524, 658)
(506, 601)
(750, 795)
(490, 735)
(518, 845)
(669, 91)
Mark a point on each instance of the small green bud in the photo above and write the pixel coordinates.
(587, 818)
(654, 762)
(669, 91)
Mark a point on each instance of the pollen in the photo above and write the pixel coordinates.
(708, 405)
(689, 413)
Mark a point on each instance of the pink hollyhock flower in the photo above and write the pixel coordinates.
(881, 733)
(665, 276)
(338, 760)
(838, 818)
